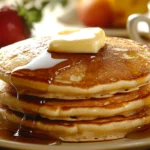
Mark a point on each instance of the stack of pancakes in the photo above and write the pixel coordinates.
(76, 97)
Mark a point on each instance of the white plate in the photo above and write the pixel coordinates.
(142, 28)
(107, 145)
(116, 32)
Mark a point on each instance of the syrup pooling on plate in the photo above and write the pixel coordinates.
(140, 133)
(17, 133)
(14, 133)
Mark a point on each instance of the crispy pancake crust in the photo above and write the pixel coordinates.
(119, 66)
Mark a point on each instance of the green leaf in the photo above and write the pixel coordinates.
(35, 14)
(53, 3)
(64, 2)
(27, 1)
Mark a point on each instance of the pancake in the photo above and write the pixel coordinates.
(125, 104)
(91, 130)
(120, 66)
(75, 97)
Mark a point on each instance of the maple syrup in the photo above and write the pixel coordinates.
(140, 133)
(18, 133)
(48, 65)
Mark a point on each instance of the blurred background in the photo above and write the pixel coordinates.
(21, 19)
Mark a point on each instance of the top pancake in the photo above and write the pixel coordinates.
(120, 66)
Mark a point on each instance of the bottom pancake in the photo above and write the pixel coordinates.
(78, 131)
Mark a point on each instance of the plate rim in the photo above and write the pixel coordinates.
(107, 145)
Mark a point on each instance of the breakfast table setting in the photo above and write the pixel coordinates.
(128, 20)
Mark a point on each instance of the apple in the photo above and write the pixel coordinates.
(95, 13)
(108, 13)
(12, 27)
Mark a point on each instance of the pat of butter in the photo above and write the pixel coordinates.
(86, 40)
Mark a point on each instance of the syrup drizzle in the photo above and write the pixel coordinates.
(48, 65)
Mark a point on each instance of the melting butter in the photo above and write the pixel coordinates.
(86, 40)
